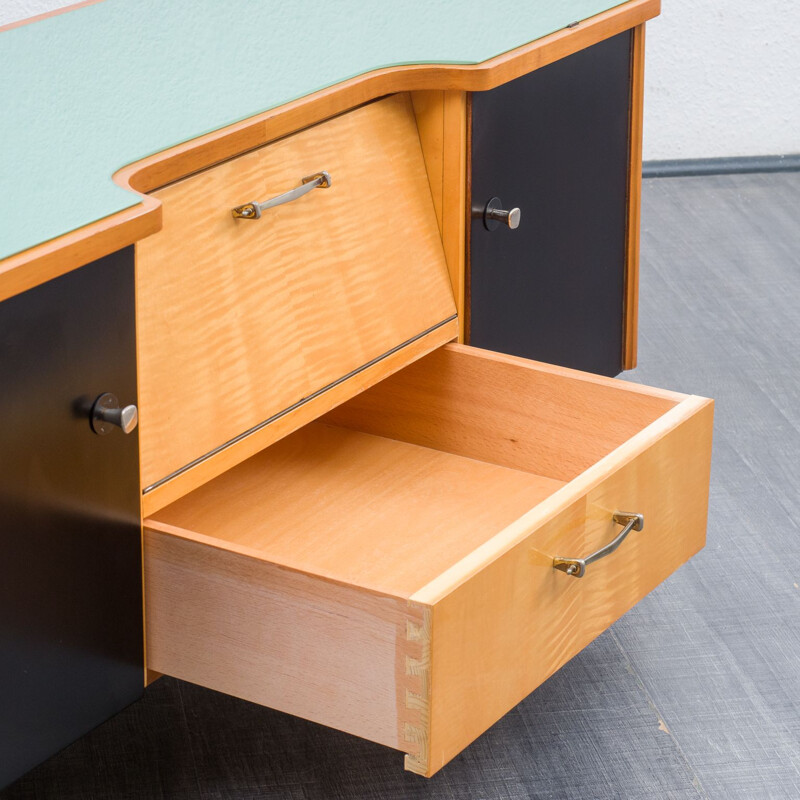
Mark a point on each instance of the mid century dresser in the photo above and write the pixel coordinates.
(312, 403)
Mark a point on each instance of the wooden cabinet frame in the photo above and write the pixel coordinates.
(441, 105)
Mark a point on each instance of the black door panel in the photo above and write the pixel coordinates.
(555, 144)
(71, 641)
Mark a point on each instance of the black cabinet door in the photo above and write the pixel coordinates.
(71, 641)
(555, 144)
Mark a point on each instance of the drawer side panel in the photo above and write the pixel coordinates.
(319, 650)
(500, 634)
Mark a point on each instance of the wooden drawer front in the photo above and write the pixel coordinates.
(239, 320)
(515, 621)
(389, 571)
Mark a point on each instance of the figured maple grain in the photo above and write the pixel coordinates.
(240, 319)
(504, 620)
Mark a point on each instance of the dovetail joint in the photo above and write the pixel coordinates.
(417, 694)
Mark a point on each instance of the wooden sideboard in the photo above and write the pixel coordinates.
(359, 500)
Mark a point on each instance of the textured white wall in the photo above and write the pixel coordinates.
(722, 76)
(15, 10)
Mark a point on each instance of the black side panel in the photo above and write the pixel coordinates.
(71, 651)
(555, 144)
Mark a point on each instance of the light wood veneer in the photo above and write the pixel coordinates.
(240, 320)
(632, 234)
(442, 123)
(388, 570)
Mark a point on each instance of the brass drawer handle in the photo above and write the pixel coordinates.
(577, 566)
(319, 180)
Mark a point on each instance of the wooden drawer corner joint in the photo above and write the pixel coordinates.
(415, 725)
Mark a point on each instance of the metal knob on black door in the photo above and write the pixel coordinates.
(106, 414)
(494, 215)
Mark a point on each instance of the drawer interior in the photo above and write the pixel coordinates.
(387, 569)
(371, 511)
(395, 487)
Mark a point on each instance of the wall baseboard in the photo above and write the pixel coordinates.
(720, 166)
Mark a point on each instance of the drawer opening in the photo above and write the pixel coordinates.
(387, 570)
(398, 485)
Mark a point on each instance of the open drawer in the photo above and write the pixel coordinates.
(390, 570)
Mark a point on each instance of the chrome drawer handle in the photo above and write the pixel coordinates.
(319, 180)
(577, 566)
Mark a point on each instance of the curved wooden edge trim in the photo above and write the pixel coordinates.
(100, 238)
(46, 261)
(204, 151)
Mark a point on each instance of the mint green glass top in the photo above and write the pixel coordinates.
(86, 92)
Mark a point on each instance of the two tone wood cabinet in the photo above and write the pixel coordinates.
(351, 494)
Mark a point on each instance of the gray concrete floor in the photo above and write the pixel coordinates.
(693, 694)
